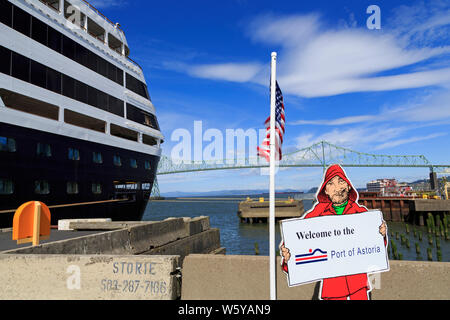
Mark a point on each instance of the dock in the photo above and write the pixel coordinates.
(258, 211)
(413, 210)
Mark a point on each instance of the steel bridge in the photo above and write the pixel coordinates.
(321, 154)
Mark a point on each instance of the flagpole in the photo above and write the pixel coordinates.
(272, 259)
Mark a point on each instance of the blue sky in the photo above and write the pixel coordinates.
(381, 91)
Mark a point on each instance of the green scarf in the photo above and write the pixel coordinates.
(340, 209)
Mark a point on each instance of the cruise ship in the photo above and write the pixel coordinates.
(78, 130)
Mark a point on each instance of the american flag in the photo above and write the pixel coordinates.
(264, 150)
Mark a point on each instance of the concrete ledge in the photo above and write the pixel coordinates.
(65, 224)
(99, 225)
(154, 234)
(196, 225)
(135, 239)
(430, 205)
(415, 280)
(205, 242)
(88, 277)
(112, 242)
(179, 236)
(209, 277)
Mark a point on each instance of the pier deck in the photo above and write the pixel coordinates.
(407, 209)
(255, 211)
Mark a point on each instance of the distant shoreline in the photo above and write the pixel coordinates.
(229, 193)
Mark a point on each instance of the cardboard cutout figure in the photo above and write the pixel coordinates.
(337, 196)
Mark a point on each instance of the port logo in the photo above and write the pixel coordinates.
(313, 256)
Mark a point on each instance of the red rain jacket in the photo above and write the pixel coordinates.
(345, 285)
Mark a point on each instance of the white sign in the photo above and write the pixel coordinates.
(335, 245)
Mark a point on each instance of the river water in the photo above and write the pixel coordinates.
(241, 238)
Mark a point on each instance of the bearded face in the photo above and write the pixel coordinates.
(337, 190)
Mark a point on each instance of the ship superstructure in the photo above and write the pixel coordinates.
(78, 129)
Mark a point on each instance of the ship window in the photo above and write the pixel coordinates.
(20, 67)
(68, 87)
(102, 66)
(135, 114)
(54, 39)
(149, 140)
(92, 61)
(92, 96)
(81, 120)
(5, 58)
(44, 150)
(6, 13)
(115, 106)
(41, 187)
(147, 120)
(96, 188)
(112, 72)
(97, 157)
(147, 165)
(21, 21)
(95, 30)
(150, 120)
(38, 74)
(133, 163)
(53, 80)
(119, 78)
(39, 31)
(72, 187)
(74, 154)
(6, 186)
(146, 186)
(23, 103)
(81, 54)
(142, 117)
(117, 161)
(7, 144)
(137, 86)
(114, 43)
(81, 91)
(123, 132)
(68, 47)
(102, 102)
(54, 4)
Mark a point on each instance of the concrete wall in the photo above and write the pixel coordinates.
(431, 205)
(136, 260)
(247, 278)
(178, 236)
(88, 277)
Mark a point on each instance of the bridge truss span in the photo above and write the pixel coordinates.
(321, 154)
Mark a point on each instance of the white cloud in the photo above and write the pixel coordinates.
(286, 31)
(336, 122)
(237, 72)
(433, 107)
(354, 137)
(315, 61)
(395, 143)
(333, 62)
(422, 23)
(367, 137)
